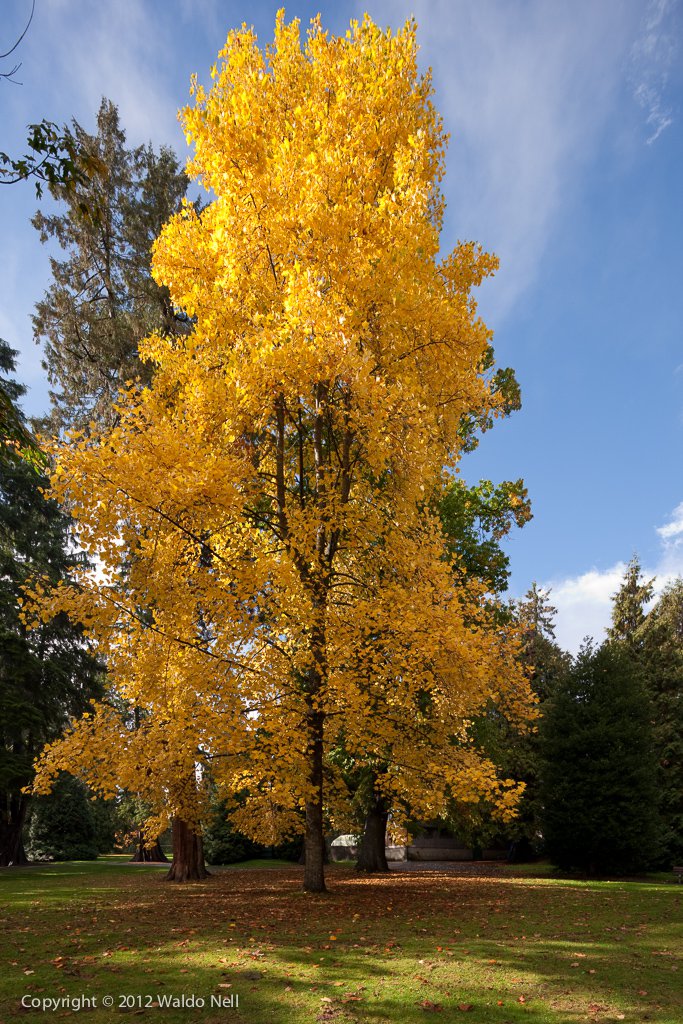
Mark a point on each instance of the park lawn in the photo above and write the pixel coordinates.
(389, 950)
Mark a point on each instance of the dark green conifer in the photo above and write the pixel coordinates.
(598, 773)
(47, 674)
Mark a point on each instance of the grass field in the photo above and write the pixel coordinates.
(398, 949)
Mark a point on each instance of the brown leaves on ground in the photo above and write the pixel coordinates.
(423, 940)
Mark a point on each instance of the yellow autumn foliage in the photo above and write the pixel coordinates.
(271, 579)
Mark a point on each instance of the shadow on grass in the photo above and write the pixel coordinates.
(373, 950)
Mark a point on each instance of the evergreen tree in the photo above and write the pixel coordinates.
(103, 301)
(106, 822)
(655, 643)
(598, 774)
(47, 674)
(545, 660)
(628, 607)
(518, 753)
(62, 824)
(661, 651)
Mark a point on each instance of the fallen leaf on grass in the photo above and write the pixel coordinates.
(465, 1007)
(430, 1007)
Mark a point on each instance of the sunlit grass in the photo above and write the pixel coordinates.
(372, 951)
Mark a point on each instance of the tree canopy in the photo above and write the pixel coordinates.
(274, 576)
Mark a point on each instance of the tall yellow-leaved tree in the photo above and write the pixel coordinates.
(272, 576)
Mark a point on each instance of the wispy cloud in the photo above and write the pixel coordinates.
(529, 92)
(116, 50)
(584, 602)
(652, 57)
(526, 90)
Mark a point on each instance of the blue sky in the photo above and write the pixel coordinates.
(566, 160)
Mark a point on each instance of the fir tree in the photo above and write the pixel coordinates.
(628, 607)
(62, 824)
(661, 651)
(102, 301)
(518, 754)
(46, 674)
(598, 775)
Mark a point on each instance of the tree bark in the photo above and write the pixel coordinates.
(316, 580)
(372, 853)
(314, 840)
(12, 852)
(148, 854)
(188, 854)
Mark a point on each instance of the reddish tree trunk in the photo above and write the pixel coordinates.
(188, 855)
(148, 854)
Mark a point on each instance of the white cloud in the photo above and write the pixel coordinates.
(583, 605)
(674, 528)
(584, 602)
(652, 57)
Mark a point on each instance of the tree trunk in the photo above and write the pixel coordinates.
(12, 853)
(372, 853)
(316, 581)
(188, 855)
(314, 840)
(148, 854)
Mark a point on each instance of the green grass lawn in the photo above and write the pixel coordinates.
(374, 950)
